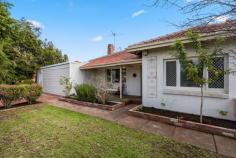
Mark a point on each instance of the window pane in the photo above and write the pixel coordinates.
(108, 75)
(184, 82)
(171, 73)
(218, 63)
(115, 75)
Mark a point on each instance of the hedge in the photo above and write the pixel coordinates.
(12, 93)
(32, 92)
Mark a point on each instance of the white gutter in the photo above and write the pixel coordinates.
(126, 62)
(59, 64)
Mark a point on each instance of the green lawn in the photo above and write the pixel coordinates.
(47, 131)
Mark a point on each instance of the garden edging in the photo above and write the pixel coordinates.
(94, 105)
(185, 124)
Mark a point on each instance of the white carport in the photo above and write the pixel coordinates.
(49, 76)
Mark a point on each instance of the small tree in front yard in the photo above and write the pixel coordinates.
(102, 86)
(195, 71)
(67, 84)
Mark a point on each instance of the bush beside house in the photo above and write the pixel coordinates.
(12, 93)
(86, 92)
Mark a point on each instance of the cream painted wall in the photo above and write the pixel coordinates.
(187, 100)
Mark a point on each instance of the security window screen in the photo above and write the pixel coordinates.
(171, 73)
(218, 82)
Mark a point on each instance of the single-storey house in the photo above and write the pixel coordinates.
(149, 70)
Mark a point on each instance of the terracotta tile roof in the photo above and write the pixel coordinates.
(201, 29)
(110, 59)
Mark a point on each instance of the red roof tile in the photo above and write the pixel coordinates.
(202, 29)
(110, 59)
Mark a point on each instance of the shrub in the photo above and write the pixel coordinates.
(102, 95)
(32, 92)
(85, 92)
(29, 81)
(10, 93)
(67, 84)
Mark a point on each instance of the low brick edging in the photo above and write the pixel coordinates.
(185, 124)
(94, 105)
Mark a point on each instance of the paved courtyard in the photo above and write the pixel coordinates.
(222, 145)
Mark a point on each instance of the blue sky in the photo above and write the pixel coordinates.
(82, 28)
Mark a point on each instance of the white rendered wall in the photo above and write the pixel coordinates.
(76, 75)
(187, 100)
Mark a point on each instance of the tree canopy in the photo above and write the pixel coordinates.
(22, 52)
(204, 12)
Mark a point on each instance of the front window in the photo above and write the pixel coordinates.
(171, 73)
(184, 81)
(175, 75)
(108, 75)
(113, 75)
(218, 63)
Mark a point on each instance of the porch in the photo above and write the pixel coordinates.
(122, 79)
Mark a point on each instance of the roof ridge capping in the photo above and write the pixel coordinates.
(211, 29)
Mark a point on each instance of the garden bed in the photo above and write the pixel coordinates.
(109, 106)
(18, 104)
(209, 125)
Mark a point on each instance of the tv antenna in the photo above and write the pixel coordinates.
(114, 34)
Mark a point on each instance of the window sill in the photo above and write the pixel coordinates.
(195, 93)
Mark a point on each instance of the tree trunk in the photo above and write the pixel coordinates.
(201, 104)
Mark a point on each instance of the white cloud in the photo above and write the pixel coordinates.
(97, 39)
(138, 13)
(221, 19)
(188, 1)
(36, 24)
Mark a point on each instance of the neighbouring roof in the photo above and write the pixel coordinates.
(118, 58)
(211, 29)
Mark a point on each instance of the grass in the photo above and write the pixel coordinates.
(47, 131)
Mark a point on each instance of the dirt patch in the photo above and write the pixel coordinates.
(190, 117)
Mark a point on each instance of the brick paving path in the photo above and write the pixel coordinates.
(215, 143)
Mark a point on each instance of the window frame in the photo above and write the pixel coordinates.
(205, 73)
(111, 76)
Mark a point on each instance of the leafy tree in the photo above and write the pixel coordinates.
(204, 12)
(195, 71)
(5, 20)
(6, 68)
(22, 51)
(51, 55)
